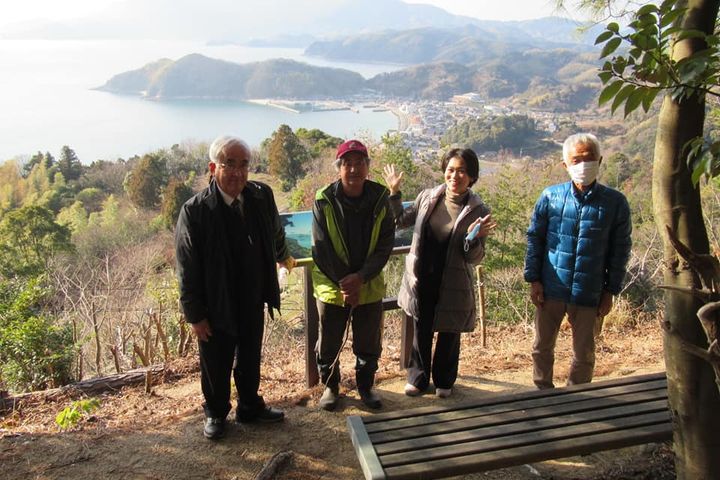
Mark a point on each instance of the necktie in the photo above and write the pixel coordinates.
(237, 207)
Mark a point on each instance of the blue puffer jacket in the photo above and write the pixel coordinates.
(579, 244)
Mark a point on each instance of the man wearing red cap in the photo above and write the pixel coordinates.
(353, 234)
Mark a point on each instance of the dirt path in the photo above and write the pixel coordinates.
(158, 436)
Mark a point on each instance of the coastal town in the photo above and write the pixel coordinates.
(422, 123)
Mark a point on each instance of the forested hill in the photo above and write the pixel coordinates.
(423, 45)
(197, 76)
(535, 73)
(470, 44)
(548, 74)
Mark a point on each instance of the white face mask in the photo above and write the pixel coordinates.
(584, 173)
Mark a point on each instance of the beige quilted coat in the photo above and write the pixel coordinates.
(456, 308)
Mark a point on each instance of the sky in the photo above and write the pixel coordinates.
(497, 10)
(33, 10)
(37, 10)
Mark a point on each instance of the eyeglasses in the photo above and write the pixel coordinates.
(235, 167)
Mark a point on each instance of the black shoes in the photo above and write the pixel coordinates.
(214, 428)
(370, 398)
(329, 399)
(264, 414)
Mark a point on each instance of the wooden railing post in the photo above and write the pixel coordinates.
(312, 320)
(481, 301)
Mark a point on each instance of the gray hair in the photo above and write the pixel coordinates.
(581, 139)
(216, 151)
(338, 162)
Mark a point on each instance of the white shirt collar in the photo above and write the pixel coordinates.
(228, 199)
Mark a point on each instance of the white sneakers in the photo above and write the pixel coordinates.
(412, 391)
(443, 392)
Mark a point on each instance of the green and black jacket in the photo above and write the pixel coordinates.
(336, 251)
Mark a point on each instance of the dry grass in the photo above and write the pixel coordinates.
(157, 435)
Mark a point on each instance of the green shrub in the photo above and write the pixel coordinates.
(70, 416)
(35, 353)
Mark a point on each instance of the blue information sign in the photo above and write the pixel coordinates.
(298, 233)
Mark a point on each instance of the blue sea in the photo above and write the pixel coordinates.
(47, 101)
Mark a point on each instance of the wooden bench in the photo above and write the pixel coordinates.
(506, 430)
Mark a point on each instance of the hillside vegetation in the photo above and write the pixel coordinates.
(441, 63)
(87, 281)
(197, 76)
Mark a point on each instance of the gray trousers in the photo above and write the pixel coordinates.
(547, 324)
(367, 330)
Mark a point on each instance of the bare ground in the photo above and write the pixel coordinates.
(135, 435)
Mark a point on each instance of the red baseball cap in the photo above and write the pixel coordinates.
(351, 146)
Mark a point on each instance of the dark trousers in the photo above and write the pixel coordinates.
(240, 355)
(443, 363)
(367, 330)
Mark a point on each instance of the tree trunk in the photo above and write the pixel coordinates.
(161, 334)
(694, 399)
(93, 386)
(96, 330)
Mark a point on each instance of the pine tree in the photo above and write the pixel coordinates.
(174, 196)
(69, 164)
(144, 183)
(287, 157)
(39, 158)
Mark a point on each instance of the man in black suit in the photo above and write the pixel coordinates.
(228, 240)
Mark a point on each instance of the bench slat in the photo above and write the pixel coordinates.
(369, 461)
(511, 405)
(499, 399)
(502, 431)
(530, 453)
(585, 430)
(515, 416)
(518, 428)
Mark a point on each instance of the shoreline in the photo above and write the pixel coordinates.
(304, 106)
(403, 120)
(272, 103)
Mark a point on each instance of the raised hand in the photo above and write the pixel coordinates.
(392, 179)
(487, 225)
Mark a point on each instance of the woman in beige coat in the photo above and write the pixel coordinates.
(437, 288)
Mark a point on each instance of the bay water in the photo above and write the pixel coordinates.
(47, 100)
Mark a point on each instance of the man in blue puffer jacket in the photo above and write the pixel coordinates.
(578, 249)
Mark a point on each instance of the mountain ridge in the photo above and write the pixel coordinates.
(227, 21)
(196, 76)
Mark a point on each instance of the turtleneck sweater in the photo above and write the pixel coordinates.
(446, 213)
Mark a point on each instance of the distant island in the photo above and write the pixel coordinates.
(557, 79)
(196, 76)
(533, 61)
